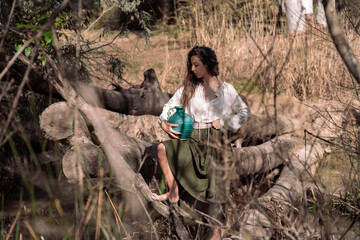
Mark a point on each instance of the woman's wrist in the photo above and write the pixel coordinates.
(161, 124)
(216, 124)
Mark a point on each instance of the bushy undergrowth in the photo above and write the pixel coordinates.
(256, 55)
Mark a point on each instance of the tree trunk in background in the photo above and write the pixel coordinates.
(320, 14)
(165, 10)
(308, 6)
(340, 42)
(296, 12)
(295, 16)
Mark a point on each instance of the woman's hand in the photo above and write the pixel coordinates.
(167, 127)
(216, 124)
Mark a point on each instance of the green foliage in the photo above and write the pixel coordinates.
(28, 23)
(37, 6)
(125, 5)
(117, 66)
(145, 18)
(247, 86)
(30, 16)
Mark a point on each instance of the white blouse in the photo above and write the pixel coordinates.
(227, 106)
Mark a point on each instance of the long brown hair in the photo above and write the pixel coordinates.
(208, 58)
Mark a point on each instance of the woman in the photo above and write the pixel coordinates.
(213, 104)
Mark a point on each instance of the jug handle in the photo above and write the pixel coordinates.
(170, 110)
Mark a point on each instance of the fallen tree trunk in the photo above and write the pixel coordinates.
(265, 157)
(262, 217)
(258, 130)
(61, 122)
(83, 156)
(146, 98)
(117, 148)
(56, 122)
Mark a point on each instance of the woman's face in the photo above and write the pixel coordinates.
(199, 69)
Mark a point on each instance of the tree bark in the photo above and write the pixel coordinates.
(83, 157)
(259, 130)
(143, 99)
(146, 98)
(272, 209)
(339, 40)
(295, 16)
(265, 157)
(117, 148)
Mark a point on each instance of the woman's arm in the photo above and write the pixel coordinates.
(240, 112)
(167, 127)
(174, 101)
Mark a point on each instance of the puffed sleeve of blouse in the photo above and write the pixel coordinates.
(240, 112)
(174, 101)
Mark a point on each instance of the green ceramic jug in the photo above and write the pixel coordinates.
(184, 121)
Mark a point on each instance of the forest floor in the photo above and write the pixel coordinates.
(167, 56)
(167, 53)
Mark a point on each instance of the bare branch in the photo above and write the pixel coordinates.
(8, 24)
(339, 40)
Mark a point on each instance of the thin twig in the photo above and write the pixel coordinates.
(13, 224)
(31, 230)
(7, 24)
(99, 208)
(118, 218)
(329, 142)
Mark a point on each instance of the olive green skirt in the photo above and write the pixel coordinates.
(195, 164)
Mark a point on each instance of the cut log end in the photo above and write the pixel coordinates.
(57, 121)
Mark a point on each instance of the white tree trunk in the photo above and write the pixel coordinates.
(294, 15)
(307, 6)
(320, 14)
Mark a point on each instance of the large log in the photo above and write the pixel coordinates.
(117, 148)
(261, 219)
(258, 130)
(249, 160)
(83, 157)
(264, 157)
(58, 122)
(146, 98)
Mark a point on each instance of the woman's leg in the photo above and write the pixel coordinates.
(173, 194)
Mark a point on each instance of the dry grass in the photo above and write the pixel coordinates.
(307, 66)
(310, 67)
